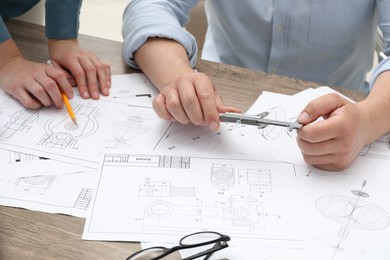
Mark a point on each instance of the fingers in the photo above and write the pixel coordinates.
(28, 100)
(332, 143)
(91, 75)
(208, 105)
(46, 91)
(60, 79)
(159, 106)
(104, 76)
(321, 107)
(333, 154)
(328, 162)
(191, 98)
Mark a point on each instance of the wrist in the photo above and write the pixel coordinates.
(55, 43)
(8, 52)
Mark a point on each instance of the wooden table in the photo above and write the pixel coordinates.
(26, 234)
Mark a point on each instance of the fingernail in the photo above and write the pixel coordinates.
(86, 94)
(303, 117)
(95, 94)
(213, 125)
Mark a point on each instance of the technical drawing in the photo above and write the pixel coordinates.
(259, 180)
(222, 175)
(83, 199)
(181, 137)
(379, 149)
(8, 101)
(243, 212)
(124, 132)
(19, 121)
(272, 132)
(16, 157)
(163, 189)
(161, 161)
(350, 212)
(35, 184)
(61, 133)
(244, 215)
(166, 215)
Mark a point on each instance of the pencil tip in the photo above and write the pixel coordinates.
(74, 121)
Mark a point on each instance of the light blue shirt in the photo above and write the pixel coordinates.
(327, 41)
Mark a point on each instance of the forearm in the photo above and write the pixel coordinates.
(8, 51)
(162, 60)
(376, 107)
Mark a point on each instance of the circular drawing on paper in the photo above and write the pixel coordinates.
(158, 209)
(37, 180)
(222, 174)
(352, 212)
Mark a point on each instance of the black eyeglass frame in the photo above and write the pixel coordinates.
(219, 243)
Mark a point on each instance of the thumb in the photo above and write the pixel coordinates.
(321, 107)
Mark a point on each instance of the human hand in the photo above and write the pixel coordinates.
(34, 84)
(191, 98)
(333, 143)
(90, 73)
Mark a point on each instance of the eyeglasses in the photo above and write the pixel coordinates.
(190, 241)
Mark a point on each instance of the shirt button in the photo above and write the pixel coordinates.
(280, 28)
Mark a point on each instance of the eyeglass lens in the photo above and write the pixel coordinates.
(200, 238)
(148, 253)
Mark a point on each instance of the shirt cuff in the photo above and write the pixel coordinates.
(137, 38)
(383, 66)
(4, 34)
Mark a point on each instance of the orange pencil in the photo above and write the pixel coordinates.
(69, 108)
(66, 101)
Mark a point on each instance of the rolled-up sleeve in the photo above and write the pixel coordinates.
(4, 34)
(62, 18)
(157, 18)
(383, 7)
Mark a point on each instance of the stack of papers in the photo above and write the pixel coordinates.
(136, 177)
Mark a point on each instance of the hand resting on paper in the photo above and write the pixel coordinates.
(333, 143)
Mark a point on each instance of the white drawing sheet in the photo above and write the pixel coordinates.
(69, 194)
(15, 164)
(115, 122)
(348, 213)
(163, 197)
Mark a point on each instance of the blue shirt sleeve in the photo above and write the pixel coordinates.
(10, 9)
(62, 18)
(4, 34)
(165, 19)
(384, 24)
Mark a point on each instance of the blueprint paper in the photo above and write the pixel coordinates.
(14, 164)
(277, 139)
(349, 213)
(111, 122)
(163, 197)
(69, 194)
